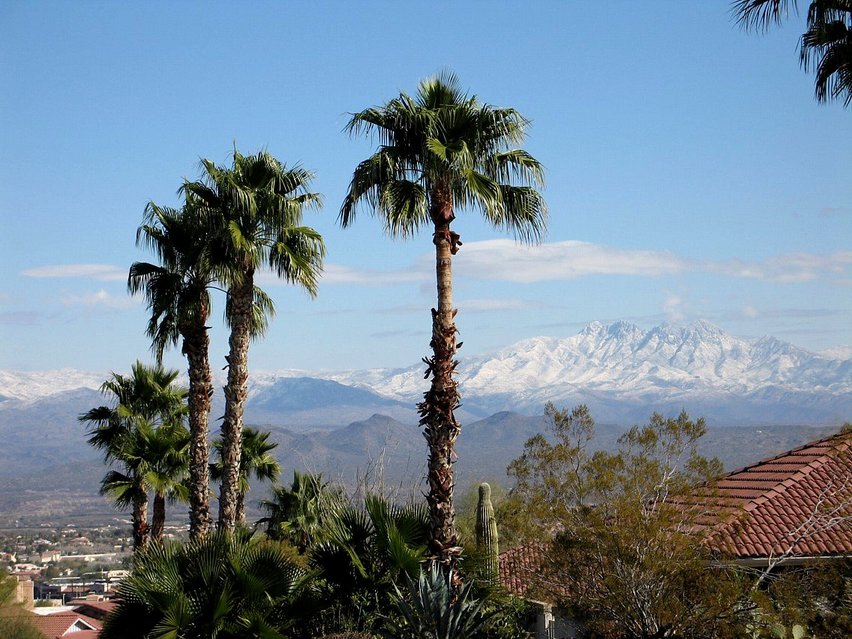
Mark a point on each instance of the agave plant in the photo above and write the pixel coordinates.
(431, 609)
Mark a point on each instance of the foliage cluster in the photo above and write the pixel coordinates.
(625, 558)
(825, 47)
(325, 567)
(625, 553)
(14, 620)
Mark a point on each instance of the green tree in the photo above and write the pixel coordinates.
(442, 151)
(625, 556)
(255, 459)
(177, 292)
(15, 622)
(826, 46)
(810, 600)
(259, 203)
(144, 403)
(229, 586)
(165, 454)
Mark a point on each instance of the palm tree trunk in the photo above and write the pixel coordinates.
(196, 345)
(158, 520)
(140, 521)
(240, 316)
(439, 402)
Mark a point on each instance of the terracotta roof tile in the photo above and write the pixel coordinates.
(521, 567)
(95, 609)
(58, 624)
(785, 503)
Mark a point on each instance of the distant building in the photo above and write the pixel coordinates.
(24, 591)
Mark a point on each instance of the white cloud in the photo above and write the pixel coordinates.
(509, 261)
(791, 267)
(750, 311)
(100, 299)
(506, 260)
(342, 274)
(101, 272)
(673, 307)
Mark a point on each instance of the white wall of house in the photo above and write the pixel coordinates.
(552, 623)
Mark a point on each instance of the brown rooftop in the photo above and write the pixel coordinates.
(797, 504)
(59, 624)
(520, 568)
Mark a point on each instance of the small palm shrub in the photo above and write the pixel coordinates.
(365, 550)
(227, 586)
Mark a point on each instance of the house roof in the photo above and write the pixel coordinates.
(521, 567)
(95, 609)
(58, 624)
(797, 504)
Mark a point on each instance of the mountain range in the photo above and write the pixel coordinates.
(759, 396)
(620, 370)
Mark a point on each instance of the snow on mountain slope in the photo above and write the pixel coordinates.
(625, 359)
(838, 352)
(618, 361)
(29, 386)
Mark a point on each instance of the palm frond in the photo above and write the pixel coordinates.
(441, 136)
(760, 15)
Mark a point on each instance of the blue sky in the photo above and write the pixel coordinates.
(690, 173)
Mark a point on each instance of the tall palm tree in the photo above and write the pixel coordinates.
(439, 152)
(177, 291)
(255, 459)
(143, 402)
(259, 202)
(826, 46)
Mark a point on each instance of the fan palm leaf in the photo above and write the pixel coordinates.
(825, 47)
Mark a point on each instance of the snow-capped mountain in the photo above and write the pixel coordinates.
(622, 371)
(624, 358)
(33, 385)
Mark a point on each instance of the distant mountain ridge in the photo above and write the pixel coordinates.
(621, 370)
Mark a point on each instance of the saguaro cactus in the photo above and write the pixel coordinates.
(486, 536)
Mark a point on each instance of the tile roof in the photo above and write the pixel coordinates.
(58, 624)
(95, 609)
(521, 567)
(798, 504)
